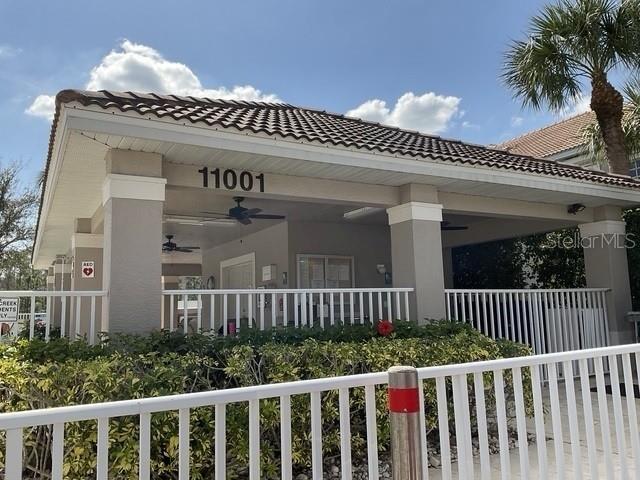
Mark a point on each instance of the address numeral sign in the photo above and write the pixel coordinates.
(232, 179)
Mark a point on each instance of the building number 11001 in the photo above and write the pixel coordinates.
(231, 179)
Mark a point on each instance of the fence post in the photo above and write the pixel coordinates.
(404, 413)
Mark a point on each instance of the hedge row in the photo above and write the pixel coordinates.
(38, 375)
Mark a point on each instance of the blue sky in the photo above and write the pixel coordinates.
(425, 65)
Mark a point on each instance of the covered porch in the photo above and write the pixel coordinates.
(366, 234)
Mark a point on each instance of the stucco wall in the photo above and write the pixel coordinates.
(270, 246)
(370, 245)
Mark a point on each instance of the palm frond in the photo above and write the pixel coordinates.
(568, 43)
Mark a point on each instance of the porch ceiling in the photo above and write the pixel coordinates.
(180, 204)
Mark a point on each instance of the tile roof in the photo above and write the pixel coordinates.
(315, 126)
(552, 139)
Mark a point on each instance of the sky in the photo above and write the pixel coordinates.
(425, 65)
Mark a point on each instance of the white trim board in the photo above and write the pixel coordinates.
(133, 187)
(415, 211)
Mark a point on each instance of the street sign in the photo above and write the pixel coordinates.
(9, 309)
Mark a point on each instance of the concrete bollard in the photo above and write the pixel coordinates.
(404, 412)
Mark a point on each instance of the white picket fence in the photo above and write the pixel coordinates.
(75, 313)
(608, 447)
(264, 308)
(551, 320)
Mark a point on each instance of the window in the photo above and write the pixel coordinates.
(634, 171)
(325, 271)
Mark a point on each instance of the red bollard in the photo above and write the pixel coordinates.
(404, 412)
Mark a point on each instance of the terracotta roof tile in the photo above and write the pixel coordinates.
(552, 139)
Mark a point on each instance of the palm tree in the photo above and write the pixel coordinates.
(592, 136)
(574, 42)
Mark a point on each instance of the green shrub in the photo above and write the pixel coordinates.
(39, 375)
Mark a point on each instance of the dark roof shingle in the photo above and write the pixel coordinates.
(304, 124)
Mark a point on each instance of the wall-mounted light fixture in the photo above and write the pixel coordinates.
(575, 208)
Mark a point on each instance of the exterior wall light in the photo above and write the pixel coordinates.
(575, 208)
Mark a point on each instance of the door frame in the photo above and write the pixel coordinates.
(230, 262)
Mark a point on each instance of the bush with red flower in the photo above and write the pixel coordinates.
(384, 328)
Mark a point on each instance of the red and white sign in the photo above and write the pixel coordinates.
(88, 269)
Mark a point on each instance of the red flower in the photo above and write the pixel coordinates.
(384, 327)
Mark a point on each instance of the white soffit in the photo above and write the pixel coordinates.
(339, 161)
(74, 190)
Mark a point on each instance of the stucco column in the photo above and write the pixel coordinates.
(87, 247)
(133, 206)
(605, 257)
(416, 256)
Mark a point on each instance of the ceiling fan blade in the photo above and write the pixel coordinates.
(252, 211)
(225, 215)
(190, 248)
(244, 221)
(452, 228)
(183, 250)
(268, 216)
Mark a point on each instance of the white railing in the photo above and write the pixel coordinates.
(227, 311)
(490, 401)
(74, 313)
(553, 320)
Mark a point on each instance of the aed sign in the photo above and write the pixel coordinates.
(8, 309)
(228, 179)
(88, 269)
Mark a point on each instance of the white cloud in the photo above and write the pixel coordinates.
(582, 104)
(373, 110)
(516, 121)
(141, 68)
(43, 106)
(429, 113)
(7, 51)
(470, 125)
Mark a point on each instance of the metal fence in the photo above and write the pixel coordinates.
(603, 443)
(70, 314)
(231, 310)
(552, 320)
